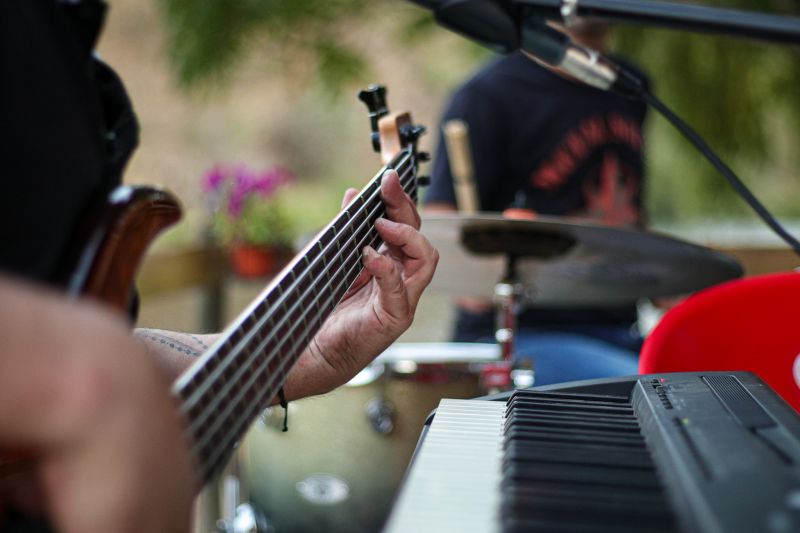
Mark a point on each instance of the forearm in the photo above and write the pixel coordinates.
(310, 375)
(174, 350)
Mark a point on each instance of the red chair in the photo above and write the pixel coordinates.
(750, 324)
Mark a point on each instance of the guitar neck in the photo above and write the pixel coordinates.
(230, 384)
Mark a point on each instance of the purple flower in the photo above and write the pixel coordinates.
(231, 186)
(266, 184)
(236, 202)
(243, 180)
(213, 179)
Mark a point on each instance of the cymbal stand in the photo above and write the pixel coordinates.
(509, 293)
(506, 300)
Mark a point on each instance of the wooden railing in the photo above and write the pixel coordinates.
(763, 260)
(206, 269)
(203, 268)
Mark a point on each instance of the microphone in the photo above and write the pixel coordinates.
(505, 26)
(500, 26)
(555, 50)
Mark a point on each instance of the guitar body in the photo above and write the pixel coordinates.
(106, 251)
(111, 241)
(235, 379)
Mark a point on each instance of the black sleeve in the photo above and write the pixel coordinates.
(485, 138)
(441, 190)
(51, 144)
(68, 129)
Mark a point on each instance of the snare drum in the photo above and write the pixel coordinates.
(341, 462)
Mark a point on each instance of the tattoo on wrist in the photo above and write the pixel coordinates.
(170, 342)
(198, 341)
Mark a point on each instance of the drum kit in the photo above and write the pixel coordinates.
(345, 454)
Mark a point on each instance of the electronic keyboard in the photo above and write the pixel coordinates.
(708, 452)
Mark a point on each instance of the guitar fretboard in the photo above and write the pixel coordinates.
(240, 374)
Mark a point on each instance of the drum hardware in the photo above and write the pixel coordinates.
(506, 299)
(406, 356)
(496, 377)
(338, 467)
(246, 519)
(509, 297)
(523, 375)
(558, 261)
(404, 367)
(367, 375)
(381, 414)
(229, 499)
(564, 262)
(323, 489)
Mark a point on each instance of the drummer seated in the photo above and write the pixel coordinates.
(540, 141)
(560, 344)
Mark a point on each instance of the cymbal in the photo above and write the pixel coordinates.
(567, 262)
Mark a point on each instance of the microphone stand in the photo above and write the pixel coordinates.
(671, 15)
(555, 50)
(507, 25)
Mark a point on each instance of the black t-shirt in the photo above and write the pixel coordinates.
(552, 145)
(67, 131)
(558, 141)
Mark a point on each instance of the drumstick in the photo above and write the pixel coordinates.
(456, 136)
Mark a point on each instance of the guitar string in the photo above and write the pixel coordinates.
(330, 301)
(298, 280)
(304, 315)
(233, 344)
(228, 439)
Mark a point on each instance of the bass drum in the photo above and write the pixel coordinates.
(341, 462)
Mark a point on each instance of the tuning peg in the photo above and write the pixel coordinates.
(374, 97)
(411, 133)
(423, 157)
(423, 181)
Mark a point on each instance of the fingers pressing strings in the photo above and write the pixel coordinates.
(392, 295)
(399, 206)
(420, 257)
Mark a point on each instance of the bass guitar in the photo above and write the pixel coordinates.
(226, 388)
(223, 392)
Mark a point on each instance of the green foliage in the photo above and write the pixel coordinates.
(726, 86)
(337, 65)
(206, 38)
(248, 206)
(740, 95)
(262, 222)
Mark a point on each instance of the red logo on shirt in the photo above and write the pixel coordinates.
(610, 191)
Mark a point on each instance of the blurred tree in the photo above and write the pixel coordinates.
(206, 38)
(740, 95)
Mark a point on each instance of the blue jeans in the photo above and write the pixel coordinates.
(567, 352)
(560, 356)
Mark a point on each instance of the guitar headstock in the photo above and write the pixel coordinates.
(391, 132)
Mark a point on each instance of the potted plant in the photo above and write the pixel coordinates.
(250, 217)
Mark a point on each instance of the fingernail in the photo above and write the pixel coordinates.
(369, 253)
(385, 222)
(385, 177)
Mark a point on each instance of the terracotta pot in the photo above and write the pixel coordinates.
(253, 261)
